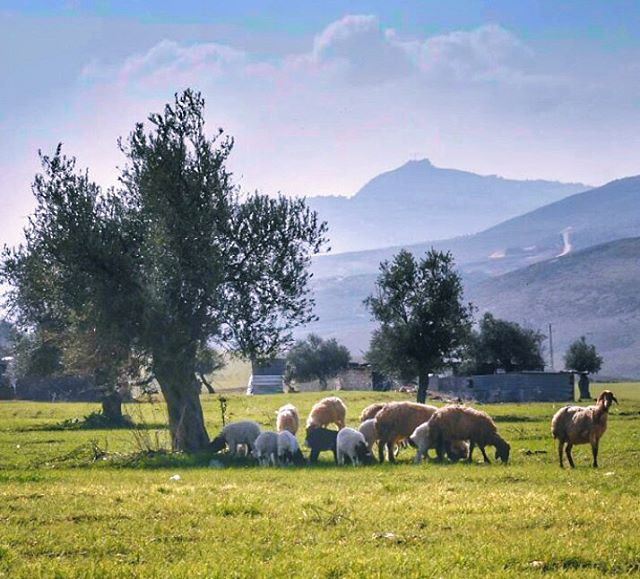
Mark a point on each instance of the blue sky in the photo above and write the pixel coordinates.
(322, 96)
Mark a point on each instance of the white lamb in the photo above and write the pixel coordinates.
(265, 450)
(351, 444)
(368, 430)
(234, 434)
(288, 448)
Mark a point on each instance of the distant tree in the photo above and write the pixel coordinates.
(208, 361)
(503, 345)
(582, 357)
(423, 320)
(171, 260)
(316, 359)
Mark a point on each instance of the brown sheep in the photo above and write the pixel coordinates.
(396, 422)
(371, 411)
(288, 419)
(328, 410)
(455, 422)
(579, 425)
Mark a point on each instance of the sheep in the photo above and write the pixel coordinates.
(420, 439)
(288, 419)
(397, 421)
(288, 449)
(351, 444)
(581, 425)
(371, 411)
(455, 422)
(328, 410)
(266, 448)
(369, 431)
(319, 440)
(234, 434)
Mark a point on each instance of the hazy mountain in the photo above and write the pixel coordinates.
(592, 292)
(595, 216)
(418, 201)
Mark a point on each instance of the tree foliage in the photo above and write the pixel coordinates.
(423, 320)
(171, 260)
(316, 359)
(503, 345)
(582, 357)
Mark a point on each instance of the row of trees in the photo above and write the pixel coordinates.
(135, 283)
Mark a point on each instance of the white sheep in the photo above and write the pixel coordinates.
(265, 450)
(288, 419)
(351, 444)
(234, 434)
(579, 425)
(288, 449)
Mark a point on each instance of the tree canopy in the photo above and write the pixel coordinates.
(503, 345)
(171, 260)
(582, 357)
(316, 359)
(424, 322)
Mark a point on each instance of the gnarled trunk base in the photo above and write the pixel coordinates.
(186, 420)
(423, 385)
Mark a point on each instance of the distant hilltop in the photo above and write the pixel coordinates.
(419, 201)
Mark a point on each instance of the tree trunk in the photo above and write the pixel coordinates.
(423, 384)
(181, 392)
(206, 383)
(112, 406)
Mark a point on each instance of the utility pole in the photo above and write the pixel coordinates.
(551, 347)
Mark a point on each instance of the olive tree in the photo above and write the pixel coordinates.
(423, 320)
(173, 259)
(582, 357)
(316, 359)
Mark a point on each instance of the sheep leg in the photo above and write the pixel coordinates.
(314, 456)
(340, 458)
(390, 453)
(335, 456)
(484, 454)
(472, 445)
(380, 451)
(569, 457)
(561, 452)
(594, 449)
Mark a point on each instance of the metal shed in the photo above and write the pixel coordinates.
(516, 387)
(267, 378)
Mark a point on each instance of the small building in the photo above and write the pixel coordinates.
(356, 376)
(267, 378)
(514, 387)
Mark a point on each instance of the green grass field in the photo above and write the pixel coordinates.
(69, 510)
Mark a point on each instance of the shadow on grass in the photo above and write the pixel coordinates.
(516, 418)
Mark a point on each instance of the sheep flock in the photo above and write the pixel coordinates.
(452, 432)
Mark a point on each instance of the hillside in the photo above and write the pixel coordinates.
(419, 201)
(595, 216)
(591, 292)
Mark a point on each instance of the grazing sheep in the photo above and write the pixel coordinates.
(420, 439)
(396, 422)
(369, 431)
(288, 419)
(266, 448)
(288, 449)
(371, 411)
(234, 434)
(328, 410)
(579, 425)
(320, 440)
(455, 422)
(351, 444)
